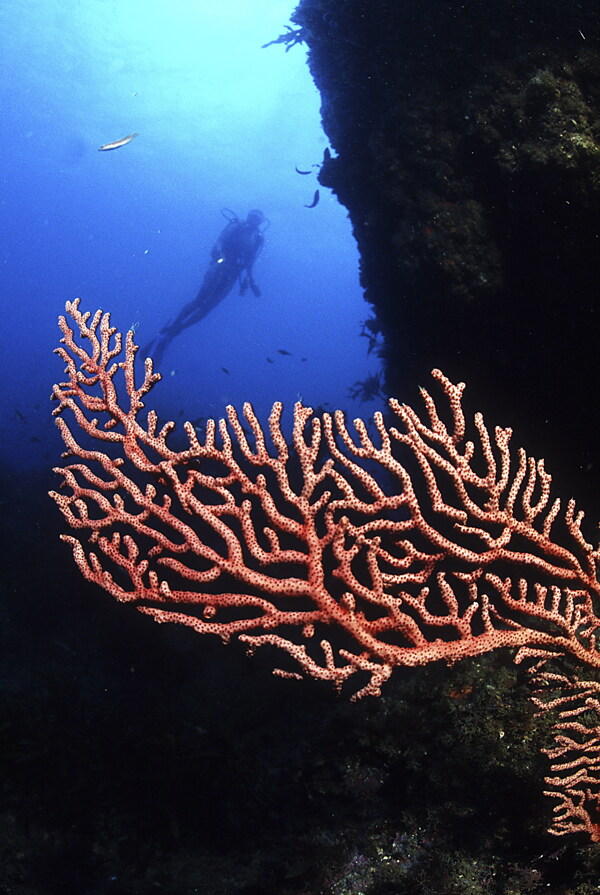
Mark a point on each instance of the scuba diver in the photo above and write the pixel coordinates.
(232, 260)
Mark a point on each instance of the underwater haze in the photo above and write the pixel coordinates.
(220, 123)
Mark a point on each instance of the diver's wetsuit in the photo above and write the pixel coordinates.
(232, 258)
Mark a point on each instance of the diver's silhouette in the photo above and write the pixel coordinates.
(232, 260)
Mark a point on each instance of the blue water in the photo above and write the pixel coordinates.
(221, 122)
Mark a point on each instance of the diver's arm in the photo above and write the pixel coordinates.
(249, 267)
(250, 281)
(254, 255)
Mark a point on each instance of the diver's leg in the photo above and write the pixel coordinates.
(159, 347)
(188, 315)
(194, 310)
(218, 282)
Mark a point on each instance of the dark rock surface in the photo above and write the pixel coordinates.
(466, 148)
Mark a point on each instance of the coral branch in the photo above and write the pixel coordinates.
(575, 757)
(348, 550)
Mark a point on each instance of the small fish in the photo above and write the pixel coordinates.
(225, 370)
(283, 351)
(269, 361)
(298, 171)
(315, 200)
(115, 145)
(19, 415)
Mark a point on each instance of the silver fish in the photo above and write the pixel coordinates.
(115, 145)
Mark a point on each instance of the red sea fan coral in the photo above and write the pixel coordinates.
(348, 551)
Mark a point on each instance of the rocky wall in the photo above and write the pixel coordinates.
(466, 147)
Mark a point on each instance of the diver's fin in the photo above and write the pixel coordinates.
(156, 348)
